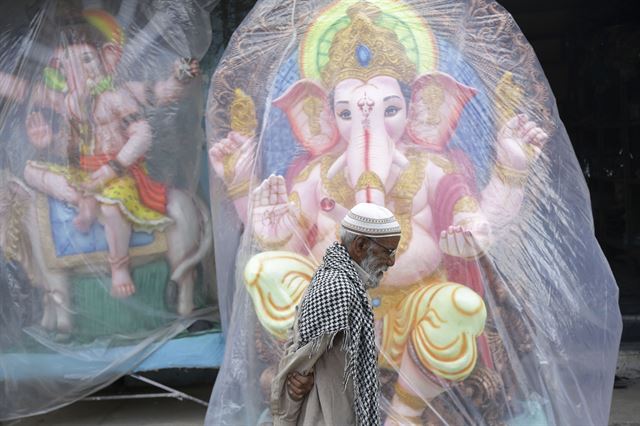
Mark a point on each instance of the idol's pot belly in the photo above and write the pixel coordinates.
(109, 138)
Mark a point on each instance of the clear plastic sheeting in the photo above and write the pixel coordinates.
(105, 236)
(440, 111)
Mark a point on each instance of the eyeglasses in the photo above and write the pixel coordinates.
(390, 252)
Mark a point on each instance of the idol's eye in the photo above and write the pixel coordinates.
(391, 110)
(345, 114)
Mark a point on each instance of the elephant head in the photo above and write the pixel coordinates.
(87, 59)
(368, 118)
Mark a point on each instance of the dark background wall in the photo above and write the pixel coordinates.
(590, 52)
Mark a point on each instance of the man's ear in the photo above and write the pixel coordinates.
(359, 246)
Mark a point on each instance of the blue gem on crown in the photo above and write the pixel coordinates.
(363, 54)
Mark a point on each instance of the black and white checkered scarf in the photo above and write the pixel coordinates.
(336, 301)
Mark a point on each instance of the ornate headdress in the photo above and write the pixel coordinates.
(364, 50)
(357, 39)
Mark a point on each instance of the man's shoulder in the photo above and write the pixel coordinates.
(334, 277)
(331, 272)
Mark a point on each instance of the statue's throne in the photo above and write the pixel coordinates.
(84, 258)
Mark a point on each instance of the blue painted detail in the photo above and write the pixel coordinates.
(186, 352)
(376, 302)
(363, 54)
(69, 241)
(280, 148)
(84, 361)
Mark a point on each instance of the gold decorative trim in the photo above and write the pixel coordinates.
(510, 176)
(306, 172)
(158, 246)
(369, 180)
(433, 98)
(465, 204)
(446, 165)
(272, 245)
(409, 399)
(405, 190)
(312, 108)
(229, 166)
(238, 191)
(508, 98)
(303, 221)
(385, 54)
(242, 113)
(14, 229)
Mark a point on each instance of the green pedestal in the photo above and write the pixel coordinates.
(97, 314)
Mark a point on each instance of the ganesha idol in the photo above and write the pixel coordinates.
(102, 132)
(377, 119)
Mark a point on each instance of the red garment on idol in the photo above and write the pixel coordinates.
(152, 194)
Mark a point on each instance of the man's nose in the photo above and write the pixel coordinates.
(391, 260)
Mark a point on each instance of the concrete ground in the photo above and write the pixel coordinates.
(625, 407)
(625, 411)
(140, 412)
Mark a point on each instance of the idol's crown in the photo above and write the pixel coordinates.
(365, 49)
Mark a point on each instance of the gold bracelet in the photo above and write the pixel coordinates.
(271, 245)
(238, 190)
(409, 399)
(401, 419)
(229, 165)
(511, 176)
(465, 204)
(303, 221)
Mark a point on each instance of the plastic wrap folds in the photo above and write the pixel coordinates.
(440, 111)
(105, 236)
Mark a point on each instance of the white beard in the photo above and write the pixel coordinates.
(375, 273)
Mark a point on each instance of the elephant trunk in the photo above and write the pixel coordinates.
(369, 158)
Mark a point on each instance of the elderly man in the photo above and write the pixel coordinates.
(329, 373)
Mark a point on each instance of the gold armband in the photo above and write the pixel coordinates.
(229, 165)
(465, 204)
(302, 220)
(272, 245)
(239, 190)
(409, 399)
(511, 176)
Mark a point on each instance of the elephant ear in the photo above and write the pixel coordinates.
(437, 100)
(310, 115)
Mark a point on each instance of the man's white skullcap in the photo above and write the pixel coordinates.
(371, 220)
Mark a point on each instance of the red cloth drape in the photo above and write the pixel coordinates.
(152, 194)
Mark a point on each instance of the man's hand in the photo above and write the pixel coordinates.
(299, 385)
